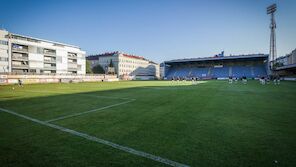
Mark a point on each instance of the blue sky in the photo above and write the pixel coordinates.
(156, 29)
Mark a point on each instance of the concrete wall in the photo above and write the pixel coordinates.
(36, 61)
(62, 61)
(4, 58)
(81, 64)
(30, 79)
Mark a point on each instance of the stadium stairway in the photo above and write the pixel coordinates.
(230, 71)
(209, 72)
(252, 71)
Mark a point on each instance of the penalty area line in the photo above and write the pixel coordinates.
(90, 111)
(101, 141)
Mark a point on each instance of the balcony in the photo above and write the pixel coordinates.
(49, 71)
(49, 52)
(20, 58)
(20, 49)
(51, 61)
(72, 56)
(72, 65)
(20, 66)
(72, 69)
(72, 62)
(49, 68)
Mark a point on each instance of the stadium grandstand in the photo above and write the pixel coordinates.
(218, 67)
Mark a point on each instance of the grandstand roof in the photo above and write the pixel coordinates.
(235, 57)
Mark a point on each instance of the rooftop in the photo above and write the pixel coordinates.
(96, 56)
(32, 39)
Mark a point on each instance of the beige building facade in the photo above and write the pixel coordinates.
(126, 65)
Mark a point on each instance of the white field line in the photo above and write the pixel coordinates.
(78, 93)
(90, 111)
(168, 88)
(101, 141)
(107, 97)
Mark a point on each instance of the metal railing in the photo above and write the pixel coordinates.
(20, 49)
(20, 66)
(49, 68)
(72, 57)
(50, 53)
(20, 58)
(49, 60)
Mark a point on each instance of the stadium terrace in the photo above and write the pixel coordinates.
(218, 67)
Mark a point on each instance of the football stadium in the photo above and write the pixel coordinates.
(60, 106)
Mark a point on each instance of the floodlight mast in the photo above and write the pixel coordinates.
(272, 48)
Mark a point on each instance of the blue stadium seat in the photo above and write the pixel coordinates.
(199, 72)
(260, 71)
(220, 72)
(240, 71)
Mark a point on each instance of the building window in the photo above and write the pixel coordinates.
(3, 59)
(3, 42)
(40, 50)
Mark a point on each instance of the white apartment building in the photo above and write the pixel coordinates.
(126, 65)
(288, 59)
(23, 54)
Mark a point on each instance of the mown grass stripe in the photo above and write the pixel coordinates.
(101, 141)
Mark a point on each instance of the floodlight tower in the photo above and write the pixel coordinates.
(272, 48)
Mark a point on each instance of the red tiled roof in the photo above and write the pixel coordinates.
(96, 57)
(134, 57)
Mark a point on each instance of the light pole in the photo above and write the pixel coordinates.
(272, 48)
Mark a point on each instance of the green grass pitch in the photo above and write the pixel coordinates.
(212, 123)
